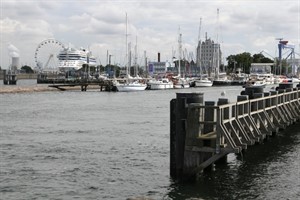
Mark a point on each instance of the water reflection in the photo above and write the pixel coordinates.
(265, 171)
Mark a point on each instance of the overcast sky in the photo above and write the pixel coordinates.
(242, 26)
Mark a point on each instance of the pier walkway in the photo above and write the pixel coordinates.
(204, 133)
(106, 85)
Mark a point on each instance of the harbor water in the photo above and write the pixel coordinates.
(114, 145)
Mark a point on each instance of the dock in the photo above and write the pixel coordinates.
(106, 85)
(204, 133)
(9, 77)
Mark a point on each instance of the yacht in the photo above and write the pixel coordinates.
(73, 59)
(180, 83)
(203, 82)
(261, 73)
(130, 84)
(160, 84)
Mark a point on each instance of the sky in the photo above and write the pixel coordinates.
(153, 26)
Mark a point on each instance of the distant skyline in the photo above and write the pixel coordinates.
(242, 26)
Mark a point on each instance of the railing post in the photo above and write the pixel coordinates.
(218, 131)
(222, 114)
(242, 109)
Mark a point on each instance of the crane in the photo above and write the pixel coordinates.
(283, 44)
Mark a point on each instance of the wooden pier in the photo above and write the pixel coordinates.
(9, 77)
(106, 85)
(203, 133)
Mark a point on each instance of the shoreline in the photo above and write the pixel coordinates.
(19, 89)
(4, 89)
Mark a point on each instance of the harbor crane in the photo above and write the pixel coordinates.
(282, 45)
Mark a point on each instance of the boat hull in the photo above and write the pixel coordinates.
(160, 86)
(221, 83)
(203, 83)
(130, 87)
(181, 86)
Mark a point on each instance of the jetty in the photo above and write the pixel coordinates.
(106, 85)
(9, 77)
(204, 133)
(62, 82)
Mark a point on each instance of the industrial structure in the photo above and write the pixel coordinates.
(288, 50)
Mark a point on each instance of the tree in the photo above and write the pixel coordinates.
(27, 69)
(231, 60)
(242, 60)
(260, 58)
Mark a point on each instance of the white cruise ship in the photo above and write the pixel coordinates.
(73, 59)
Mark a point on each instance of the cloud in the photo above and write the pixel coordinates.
(242, 25)
(13, 51)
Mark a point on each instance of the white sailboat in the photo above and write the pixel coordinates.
(202, 82)
(178, 81)
(129, 84)
(160, 84)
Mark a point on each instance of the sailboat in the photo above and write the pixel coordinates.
(203, 81)
(129, 83)
(180, 82)
(220, 78)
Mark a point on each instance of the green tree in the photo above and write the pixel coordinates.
(260, 58)
(242, 60)
(231, 60)
(27, 69)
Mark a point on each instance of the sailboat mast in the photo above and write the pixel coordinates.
(179, 51)
(135, 58)
(126, 57)
(217, 47)
(199, 50)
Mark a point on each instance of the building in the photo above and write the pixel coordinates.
(209, 56)
(261, 68)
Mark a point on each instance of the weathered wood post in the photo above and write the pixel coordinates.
(250, 91)
(178, 116)
(209, 116)
(5, 77)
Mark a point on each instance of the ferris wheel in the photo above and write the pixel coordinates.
(46, 54)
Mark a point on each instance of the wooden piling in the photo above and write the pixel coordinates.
(179, 112)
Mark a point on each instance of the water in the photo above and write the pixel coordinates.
(101, 145)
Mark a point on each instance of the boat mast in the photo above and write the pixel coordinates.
(135, 58)
(179, 51)
(217, 46)
(199, 49)
(126, 57)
